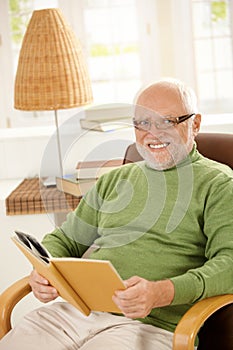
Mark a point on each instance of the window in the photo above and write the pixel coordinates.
(113, 49)
(130, 43)
(15, 15)
(213, 47)
(110, 33)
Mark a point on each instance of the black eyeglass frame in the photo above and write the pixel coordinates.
(172, 122)
(183, 118)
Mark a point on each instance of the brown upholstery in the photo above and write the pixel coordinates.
(215, 146)
(217, 332)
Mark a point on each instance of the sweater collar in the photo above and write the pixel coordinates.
(192, 157)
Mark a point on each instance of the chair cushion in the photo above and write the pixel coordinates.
(216, 146)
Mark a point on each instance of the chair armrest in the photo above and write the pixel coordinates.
(8, 299)
(189, 325)
(185, 333)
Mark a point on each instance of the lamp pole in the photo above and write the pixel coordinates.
(58, 144)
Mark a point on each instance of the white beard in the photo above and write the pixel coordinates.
(178, 151)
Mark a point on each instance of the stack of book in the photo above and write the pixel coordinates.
(87, 173)
(94, 169)
(71, 185)
(107, 118)
(102, 125)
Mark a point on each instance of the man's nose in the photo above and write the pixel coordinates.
(154, 130)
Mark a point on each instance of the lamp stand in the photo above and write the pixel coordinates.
(58, 144)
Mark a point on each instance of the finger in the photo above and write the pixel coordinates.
(131, 293)
(36, 277)
(135, 314)
(127, 306)
(40, 288)
(132, 281)
(44, 297)
(45, 293)
(133, 311)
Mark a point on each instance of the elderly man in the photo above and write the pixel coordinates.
(166, 225)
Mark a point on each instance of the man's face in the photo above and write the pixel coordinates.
(163, 148)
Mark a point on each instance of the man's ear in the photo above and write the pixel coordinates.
(196, 124)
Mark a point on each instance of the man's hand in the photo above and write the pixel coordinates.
(141, 296)
(41, 288)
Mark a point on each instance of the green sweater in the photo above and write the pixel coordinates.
(174, 224)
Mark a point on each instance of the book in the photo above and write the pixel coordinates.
(71, 185)
(110, 112)
(87, 284)
(103, 125)
(94, 169)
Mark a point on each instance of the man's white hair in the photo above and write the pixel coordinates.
(187, 94)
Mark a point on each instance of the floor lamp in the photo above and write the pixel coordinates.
(51, 73)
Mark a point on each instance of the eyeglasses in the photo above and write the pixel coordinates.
(161, 123)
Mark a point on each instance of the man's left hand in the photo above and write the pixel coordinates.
(141, 296)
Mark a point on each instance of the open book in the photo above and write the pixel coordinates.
(85, 283)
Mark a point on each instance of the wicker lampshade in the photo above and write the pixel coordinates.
(51, 72)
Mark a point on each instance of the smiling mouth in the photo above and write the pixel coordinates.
(158, 145)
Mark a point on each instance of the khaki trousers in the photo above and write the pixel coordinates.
(60, 326)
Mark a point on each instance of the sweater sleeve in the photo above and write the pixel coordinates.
(79, 231)
(215, 277)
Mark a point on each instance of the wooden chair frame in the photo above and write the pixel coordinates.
(185, 332)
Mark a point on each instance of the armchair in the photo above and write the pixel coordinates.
(208, 314)
(218, 147)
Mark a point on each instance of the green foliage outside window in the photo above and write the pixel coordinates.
(98, 50)
(20, 11)
(218, 10)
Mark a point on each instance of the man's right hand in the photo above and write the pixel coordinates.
(41, 288)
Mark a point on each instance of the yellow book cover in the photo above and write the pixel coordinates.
(87, 284)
